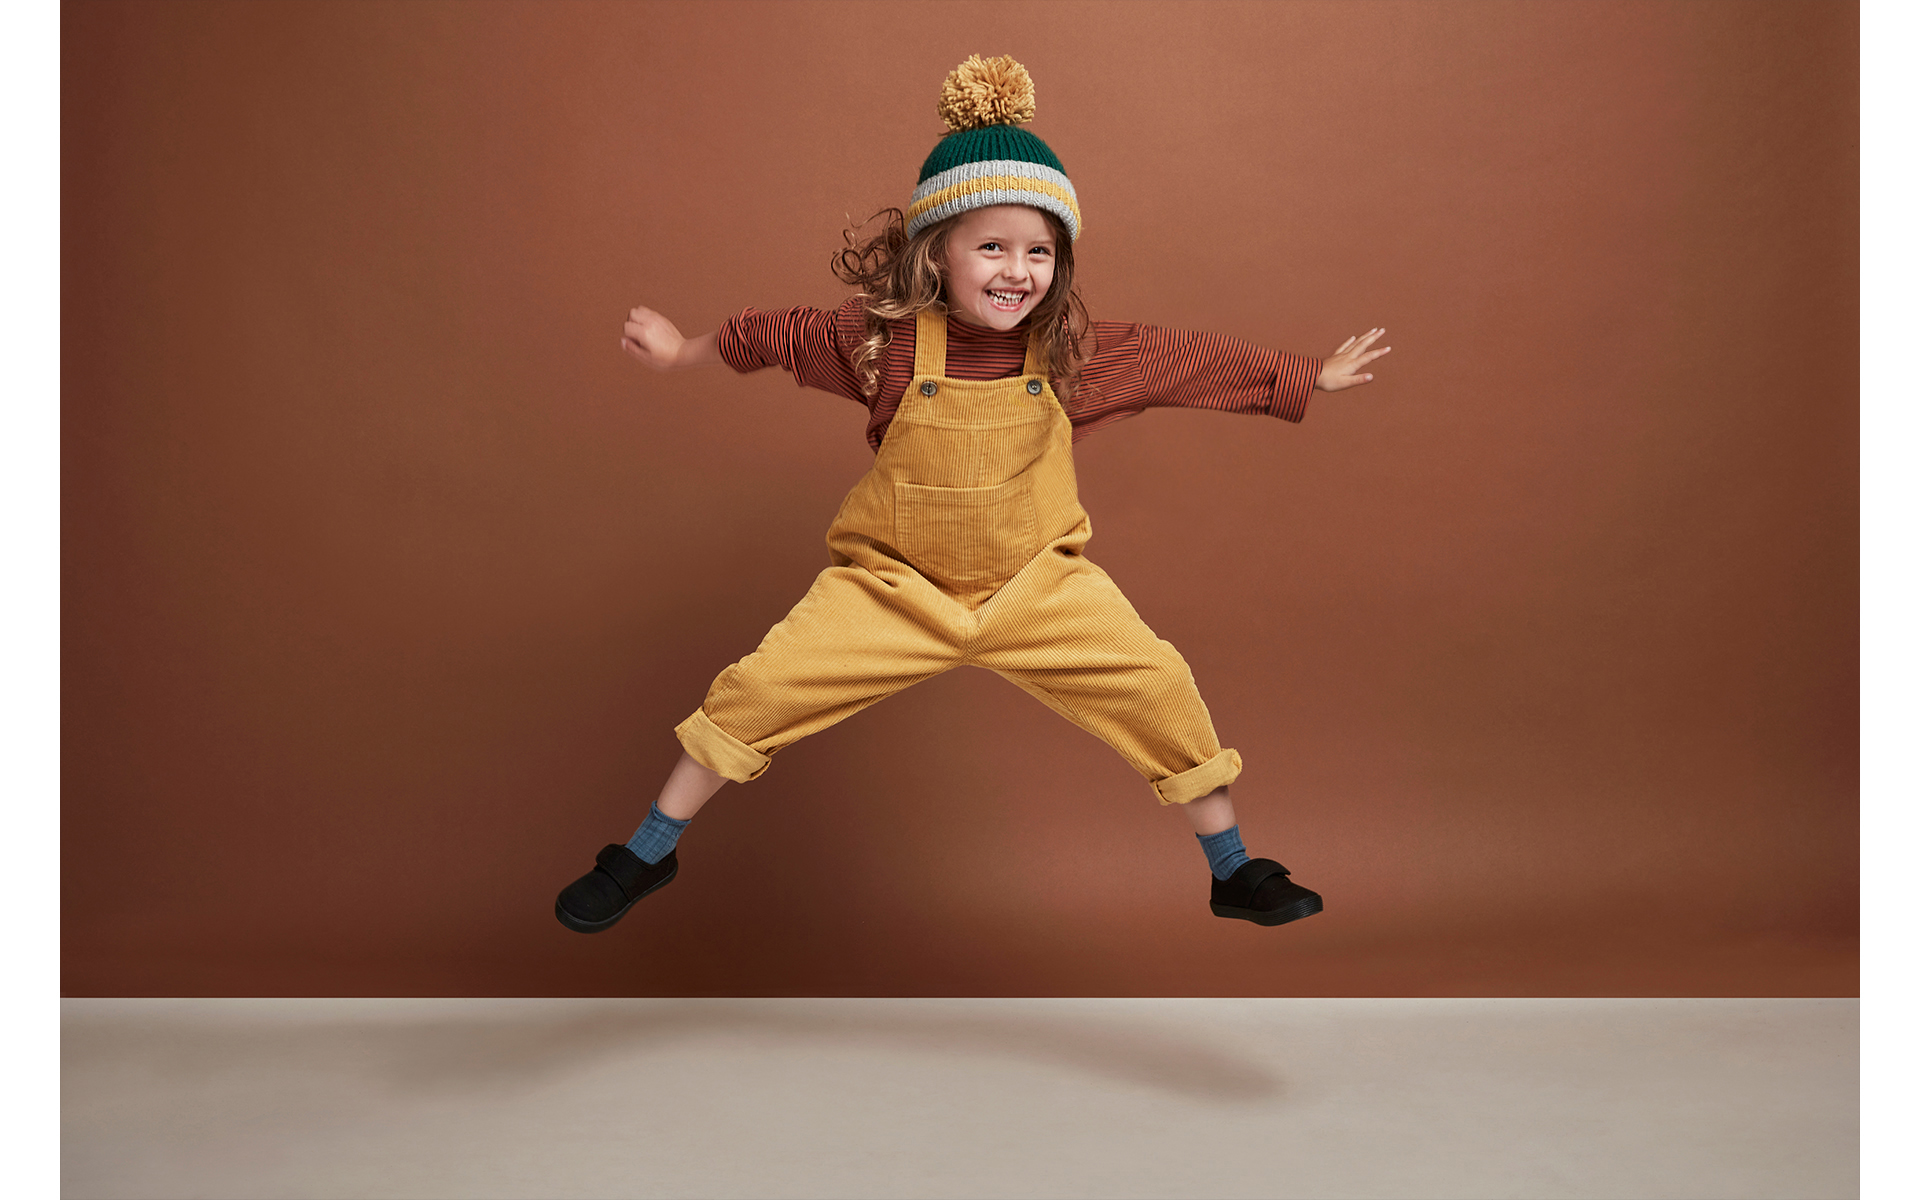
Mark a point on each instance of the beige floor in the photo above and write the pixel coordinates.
(979, 1098)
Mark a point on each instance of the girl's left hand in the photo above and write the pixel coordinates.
(1342, 367)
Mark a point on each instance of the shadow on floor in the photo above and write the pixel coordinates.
(522, 1046)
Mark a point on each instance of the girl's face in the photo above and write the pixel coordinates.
(999, 264)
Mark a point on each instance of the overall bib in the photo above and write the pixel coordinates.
(962, 546)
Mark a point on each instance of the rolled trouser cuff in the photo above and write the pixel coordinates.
(721, 752)
(1193, 783)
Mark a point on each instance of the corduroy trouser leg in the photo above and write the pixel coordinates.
(973, 483)
(1060, 629)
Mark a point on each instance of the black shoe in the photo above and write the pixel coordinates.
(1261, 892)
(603, 895)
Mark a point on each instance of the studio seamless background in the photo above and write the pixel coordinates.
(386, 574)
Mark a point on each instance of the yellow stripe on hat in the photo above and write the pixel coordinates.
(994, 183)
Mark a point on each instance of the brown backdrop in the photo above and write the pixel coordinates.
(387, 575)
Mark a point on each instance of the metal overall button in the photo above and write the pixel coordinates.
(1033, 387)
(929, 388)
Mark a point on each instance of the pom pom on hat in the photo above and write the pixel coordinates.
(985, 158)
(986, 91)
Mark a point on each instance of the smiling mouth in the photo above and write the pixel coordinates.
(1006, 301)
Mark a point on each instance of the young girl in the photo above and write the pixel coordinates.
(964, 543)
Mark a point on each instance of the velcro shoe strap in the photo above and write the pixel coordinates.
(624, 865)
(1257, 871)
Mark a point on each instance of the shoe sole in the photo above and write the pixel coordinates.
(1306, 906)
(579, 926)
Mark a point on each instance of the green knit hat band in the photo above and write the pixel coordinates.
(995, 143)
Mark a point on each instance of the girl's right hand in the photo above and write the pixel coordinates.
(652, 339)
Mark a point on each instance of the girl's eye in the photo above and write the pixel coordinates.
(990, 246)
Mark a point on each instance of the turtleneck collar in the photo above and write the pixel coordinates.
(980, 335)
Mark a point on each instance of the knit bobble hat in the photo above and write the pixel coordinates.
(987, 159)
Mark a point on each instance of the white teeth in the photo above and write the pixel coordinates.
(1008, 297)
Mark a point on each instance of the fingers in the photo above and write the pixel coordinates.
(1358, 342)
(639, 352)
(645, 333)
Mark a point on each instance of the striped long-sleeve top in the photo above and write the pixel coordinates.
(1133, 367)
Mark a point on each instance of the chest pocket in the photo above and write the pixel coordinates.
(966, 535)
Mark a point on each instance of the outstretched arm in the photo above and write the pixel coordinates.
(1342, 368)
(654, 340)
(804, 341)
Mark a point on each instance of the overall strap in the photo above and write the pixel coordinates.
(1036, 363)
(930, 342)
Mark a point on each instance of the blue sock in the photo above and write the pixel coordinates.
(655, 838)
(1225, 854)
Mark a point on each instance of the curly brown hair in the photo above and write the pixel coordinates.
(898, 276)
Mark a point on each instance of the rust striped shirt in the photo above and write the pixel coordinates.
(1133, 367)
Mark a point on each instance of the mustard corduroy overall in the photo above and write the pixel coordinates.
(963, 546)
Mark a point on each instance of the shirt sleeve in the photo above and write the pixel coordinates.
(810, 343)
(1137, 367)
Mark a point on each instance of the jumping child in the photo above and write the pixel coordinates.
(964, 544)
